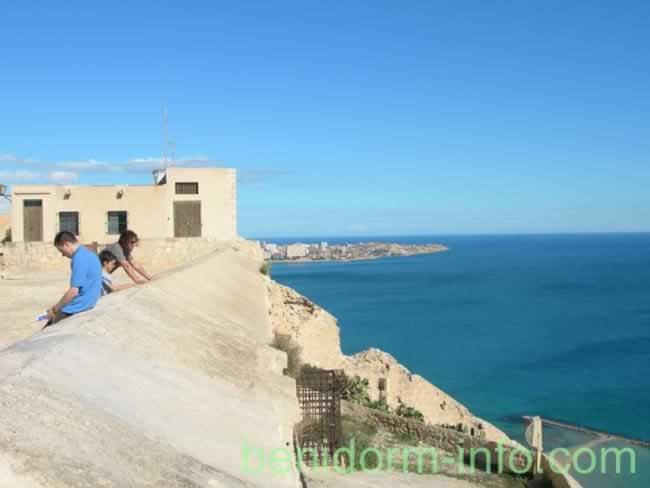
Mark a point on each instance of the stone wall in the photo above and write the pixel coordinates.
(163, 254)
(554, 475)
(162, 385)
(154, 254)
(443, 439)
(31, 256)
(449, 440)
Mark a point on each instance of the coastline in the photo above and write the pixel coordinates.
(365, 258)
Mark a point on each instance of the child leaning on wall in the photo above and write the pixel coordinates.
(109, 261)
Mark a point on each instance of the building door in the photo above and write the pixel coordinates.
(187, 219)
(33, 220)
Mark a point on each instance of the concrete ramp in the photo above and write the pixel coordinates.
(161, 385)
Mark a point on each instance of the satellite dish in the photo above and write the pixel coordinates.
(534, 438)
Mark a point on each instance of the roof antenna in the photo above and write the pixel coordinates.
(3, 192)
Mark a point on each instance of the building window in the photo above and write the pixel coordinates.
(117, 222)
(187, 188)
(69, 221)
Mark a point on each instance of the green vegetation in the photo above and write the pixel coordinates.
(380, 405)
(7, 236)
(458, 427)
(355, 390)
(409, 412)
(265, 268)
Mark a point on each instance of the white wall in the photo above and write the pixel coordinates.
(150, 208)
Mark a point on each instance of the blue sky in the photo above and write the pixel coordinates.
(345, 118)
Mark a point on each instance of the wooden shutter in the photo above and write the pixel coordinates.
(33, 220)
(187, 219)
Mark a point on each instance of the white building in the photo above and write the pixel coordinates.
(272, 248)
(182, 202)
(297, 250)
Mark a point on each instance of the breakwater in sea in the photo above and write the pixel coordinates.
(587, 430)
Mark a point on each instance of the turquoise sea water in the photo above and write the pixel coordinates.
(551, 325)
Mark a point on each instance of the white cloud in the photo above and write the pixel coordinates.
(66, 171)
(136, 164)
(62, 177)
(12, 158)
(20, 175)
(89, 165)
(149, 164)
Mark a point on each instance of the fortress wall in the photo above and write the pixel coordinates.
(449, 440)
(443, 439)
(155, 254)
(160, 385)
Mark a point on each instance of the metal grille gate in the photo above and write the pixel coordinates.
(319, 434)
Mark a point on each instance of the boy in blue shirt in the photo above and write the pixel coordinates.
(109, 263)
(85, 281)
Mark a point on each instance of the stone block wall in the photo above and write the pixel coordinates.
(449, 440)
(154, 254)
(163, 254)
(31, 256)
(443, 439)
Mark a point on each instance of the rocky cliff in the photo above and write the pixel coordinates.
(317, 334)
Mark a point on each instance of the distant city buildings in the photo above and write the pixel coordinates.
(297, 250)
(342, 252)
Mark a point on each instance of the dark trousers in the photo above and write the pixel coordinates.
(58, 317)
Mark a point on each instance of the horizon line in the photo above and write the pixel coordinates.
(467, 234)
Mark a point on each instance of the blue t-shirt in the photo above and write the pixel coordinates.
(87, 277)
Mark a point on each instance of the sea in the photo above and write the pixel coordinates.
(509, 325)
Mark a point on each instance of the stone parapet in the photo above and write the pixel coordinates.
(154, 254)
